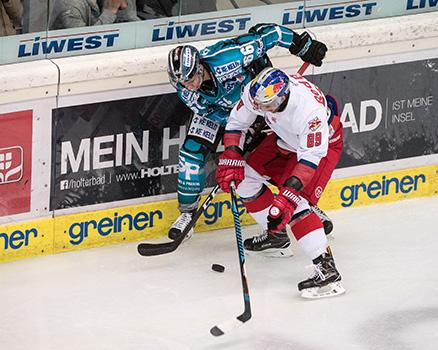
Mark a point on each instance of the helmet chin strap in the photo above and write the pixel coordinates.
(283, 104)
(204, 73)
(209, 84)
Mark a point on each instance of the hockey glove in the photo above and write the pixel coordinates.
(231, 167)
(282, 209)
(309, 50)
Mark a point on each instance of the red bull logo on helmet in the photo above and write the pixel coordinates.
(273, 90)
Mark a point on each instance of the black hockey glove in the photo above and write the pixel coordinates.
(309, 50)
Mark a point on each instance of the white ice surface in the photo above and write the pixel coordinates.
(111, 298)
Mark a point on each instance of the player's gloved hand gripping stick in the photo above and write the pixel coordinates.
(151, 249)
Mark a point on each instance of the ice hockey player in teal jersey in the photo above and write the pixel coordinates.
(209, 81)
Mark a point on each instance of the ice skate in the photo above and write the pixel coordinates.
(271, 244)
(179, 225)
(326, 222)
(325, 281)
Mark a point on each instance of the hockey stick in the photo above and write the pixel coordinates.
(246, 315)
(303, 68)
(151, 249)
(232, 324)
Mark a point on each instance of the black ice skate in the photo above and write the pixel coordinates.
(326, 222)
(325, 281)
(272, 244)
(180, 224)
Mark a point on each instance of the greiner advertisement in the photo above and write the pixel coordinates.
(126, 149)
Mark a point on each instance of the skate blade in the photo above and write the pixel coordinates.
(188, 236)
(330, 290)
(272, 253)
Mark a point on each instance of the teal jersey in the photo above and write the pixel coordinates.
(229, 63)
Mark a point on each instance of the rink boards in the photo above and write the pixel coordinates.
(89, 148)
(152, 220)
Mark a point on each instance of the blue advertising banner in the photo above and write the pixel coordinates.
(201, 26)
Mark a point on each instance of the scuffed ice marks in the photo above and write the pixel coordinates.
(398, 330)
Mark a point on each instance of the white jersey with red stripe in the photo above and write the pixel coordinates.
(302, 126)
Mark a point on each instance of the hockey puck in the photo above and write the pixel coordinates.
(217, 268)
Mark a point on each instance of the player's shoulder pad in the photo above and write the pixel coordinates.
(245, 99)
(315, 123)
(225, 61)
(219, 48)
(314, 120)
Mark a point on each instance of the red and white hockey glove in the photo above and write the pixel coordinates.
(282, 209)
(231, 168)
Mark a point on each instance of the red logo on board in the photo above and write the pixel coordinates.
(11, 164)
(15, 162)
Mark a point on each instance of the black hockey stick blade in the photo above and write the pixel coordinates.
(151, 249)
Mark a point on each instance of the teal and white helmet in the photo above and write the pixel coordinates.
(183, 64)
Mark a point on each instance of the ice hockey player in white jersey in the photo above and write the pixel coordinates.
(210, 82)
(299, 157)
